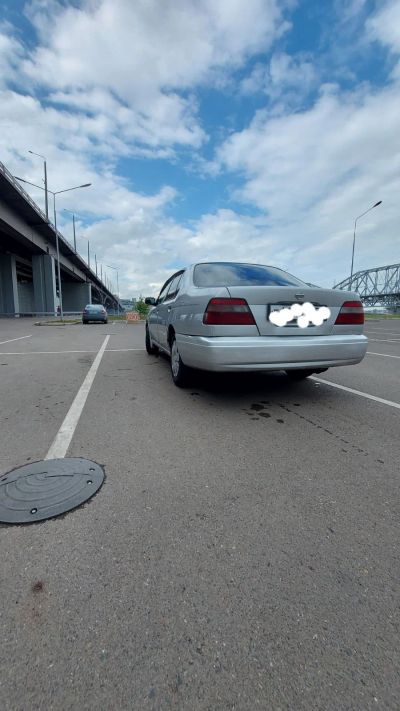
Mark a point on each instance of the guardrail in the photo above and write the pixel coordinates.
(54, 314)
(36, 314)
(21, 190)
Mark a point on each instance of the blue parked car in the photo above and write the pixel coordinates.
(94, 312)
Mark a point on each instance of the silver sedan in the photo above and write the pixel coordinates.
(225, 316)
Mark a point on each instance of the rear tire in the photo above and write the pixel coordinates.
(151, 350)
(179, 371)
(297, 375)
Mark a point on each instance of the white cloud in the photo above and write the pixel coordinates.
(348, 10)
(313, 171)
(171, 120)
(136, 59)
(226, 231)
(300, 158)
(70, 143)
(141, 247)
(137, 48)
(284, 73)
(384, 26)
(11, 53)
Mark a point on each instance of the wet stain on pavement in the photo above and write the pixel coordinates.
(257, 410)
(355, 447)
(38, 586)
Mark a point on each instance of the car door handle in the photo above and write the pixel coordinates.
(169, 309)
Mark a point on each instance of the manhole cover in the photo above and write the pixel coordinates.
(45, 489)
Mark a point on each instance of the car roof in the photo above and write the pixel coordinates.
(225, 261)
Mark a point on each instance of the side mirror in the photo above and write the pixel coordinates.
(150, 301)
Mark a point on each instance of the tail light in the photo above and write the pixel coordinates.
(228, 312)
(351, 313)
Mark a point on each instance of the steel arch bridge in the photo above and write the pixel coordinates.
(378, 286)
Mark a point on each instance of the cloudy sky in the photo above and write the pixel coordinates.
(252, 130)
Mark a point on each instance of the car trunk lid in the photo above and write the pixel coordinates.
(262, 300)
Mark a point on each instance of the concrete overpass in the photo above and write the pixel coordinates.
(28, 270)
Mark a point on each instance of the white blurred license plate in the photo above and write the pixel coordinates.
(279, 307)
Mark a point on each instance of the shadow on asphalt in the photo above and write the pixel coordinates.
(254, 384)
(274, 385)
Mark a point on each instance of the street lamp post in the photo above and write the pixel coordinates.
(354, 237)
(73, 224)
(88, 249)
(57, 192)
(115, 269)
(46, 200)
(58, 259)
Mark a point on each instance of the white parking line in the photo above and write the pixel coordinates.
(64, 436)
(15, 339)
(4, 353)
(358, 392)
(383, 333)
(384, 355)
(108, 350)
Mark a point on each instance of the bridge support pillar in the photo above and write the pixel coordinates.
(44, 284)
(76, 295)
(9, 302)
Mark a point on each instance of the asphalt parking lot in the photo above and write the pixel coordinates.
(242, 553)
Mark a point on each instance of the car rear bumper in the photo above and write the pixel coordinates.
(271, 353)
(94, 319)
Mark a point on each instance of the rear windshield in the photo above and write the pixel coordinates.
(94, 307)
(228, 274)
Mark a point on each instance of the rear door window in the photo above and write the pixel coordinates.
(174, 287)
(163, 293)
(230, 274)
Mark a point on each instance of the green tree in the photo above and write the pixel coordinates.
(141, 307)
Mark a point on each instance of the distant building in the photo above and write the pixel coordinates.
(128, 304)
